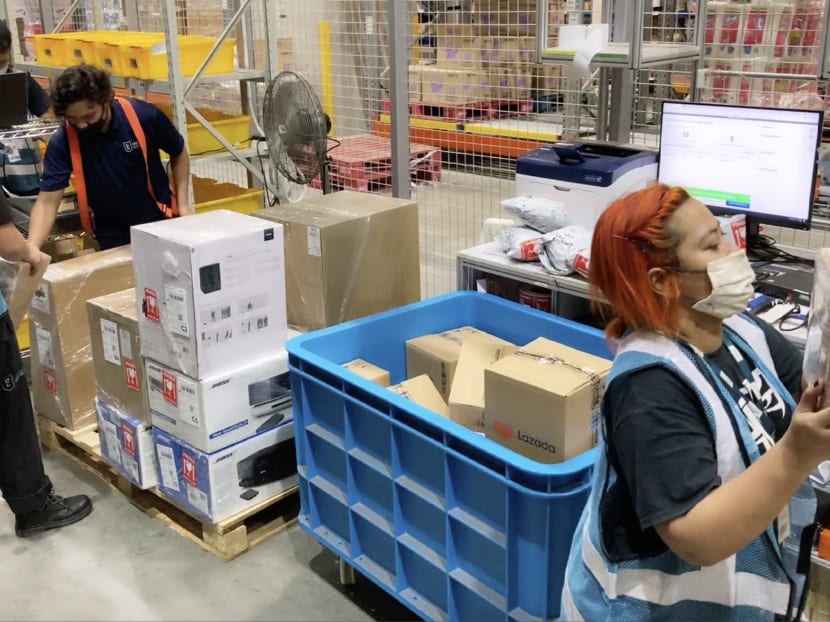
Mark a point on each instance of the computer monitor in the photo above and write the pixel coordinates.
(743, 160)
(13, 104)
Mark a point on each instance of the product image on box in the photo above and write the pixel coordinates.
(211, 291)
(221, 484)
(219, 411)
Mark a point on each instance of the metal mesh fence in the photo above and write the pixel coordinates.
(476, 97)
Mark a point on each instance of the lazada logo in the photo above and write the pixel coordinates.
(505, 432)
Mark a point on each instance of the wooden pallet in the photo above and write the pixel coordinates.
(226, 539)
(363, 162)
(473, 111)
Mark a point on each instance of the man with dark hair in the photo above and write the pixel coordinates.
(111, 144)
(23, 483)
(20, 158)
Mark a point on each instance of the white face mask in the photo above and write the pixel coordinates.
(732, 278)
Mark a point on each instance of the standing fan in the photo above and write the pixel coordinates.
(296, 130)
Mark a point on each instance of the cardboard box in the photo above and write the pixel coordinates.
(436, 355)
(543, 401)
(211, 291)
(348, 255)
(220, 485)
(511, 17)
(127, 445)
(18, 285)
(466, 402)
(116, 353)
(216, 412)
(63, 379)
(371, 372)
(451, 86)
(547, 79)
(415, 82)
(422, 391)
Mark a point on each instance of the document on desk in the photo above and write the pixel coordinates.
(18, 286)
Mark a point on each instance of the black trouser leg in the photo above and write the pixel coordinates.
(22, 481)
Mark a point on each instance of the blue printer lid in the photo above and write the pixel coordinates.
(591, 164)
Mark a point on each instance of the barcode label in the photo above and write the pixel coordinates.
(167, 466)
(197, 499)
(175, 299)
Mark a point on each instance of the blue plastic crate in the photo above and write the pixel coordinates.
(452, 524)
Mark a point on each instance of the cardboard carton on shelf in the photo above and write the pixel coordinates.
(116, 353)
(543, 400)
(436, 355)
(63, 378)
(371, 372)
(452, 87)
(211, 291)
(348, 255)
(421, 390)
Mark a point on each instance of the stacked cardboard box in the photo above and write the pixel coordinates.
(540, 400)
(63, 378)
(474, 67)
(121, 400)
(212, 327)
(347, 255)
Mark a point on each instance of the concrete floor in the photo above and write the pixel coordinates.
(120, 564)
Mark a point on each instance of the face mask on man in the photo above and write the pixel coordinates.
(731, 278)
(92, 128)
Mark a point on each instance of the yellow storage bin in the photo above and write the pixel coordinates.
(51, 49)
(210, 195)
(235, 128)
(148, 61)
(108, 54)
(22, 333)
(80, 48)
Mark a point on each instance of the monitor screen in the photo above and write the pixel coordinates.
(743, 160)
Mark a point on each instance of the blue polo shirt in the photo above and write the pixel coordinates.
(116, 181)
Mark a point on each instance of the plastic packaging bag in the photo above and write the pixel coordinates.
(544, 215)
(566, 250)
(519, 243)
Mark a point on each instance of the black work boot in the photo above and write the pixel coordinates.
(58, 512)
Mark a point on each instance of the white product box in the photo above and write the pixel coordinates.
(210, 291)
(127, 444)
(219, 411)
(218, 486)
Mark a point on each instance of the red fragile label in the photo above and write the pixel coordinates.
(128, 439)
(527, 250)
(188, 469)
(168, 388)
(50, 380)
(738, 233)
(151, 304)
(131, 375)
(582, 262)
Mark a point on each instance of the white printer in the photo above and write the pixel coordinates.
(585, 176)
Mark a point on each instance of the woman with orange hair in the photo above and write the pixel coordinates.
(703, 444)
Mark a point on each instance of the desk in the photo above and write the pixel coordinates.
(569, 294)
(489, 259)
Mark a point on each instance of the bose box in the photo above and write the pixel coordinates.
(219, 411)
(211, 291)
(219, 485)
